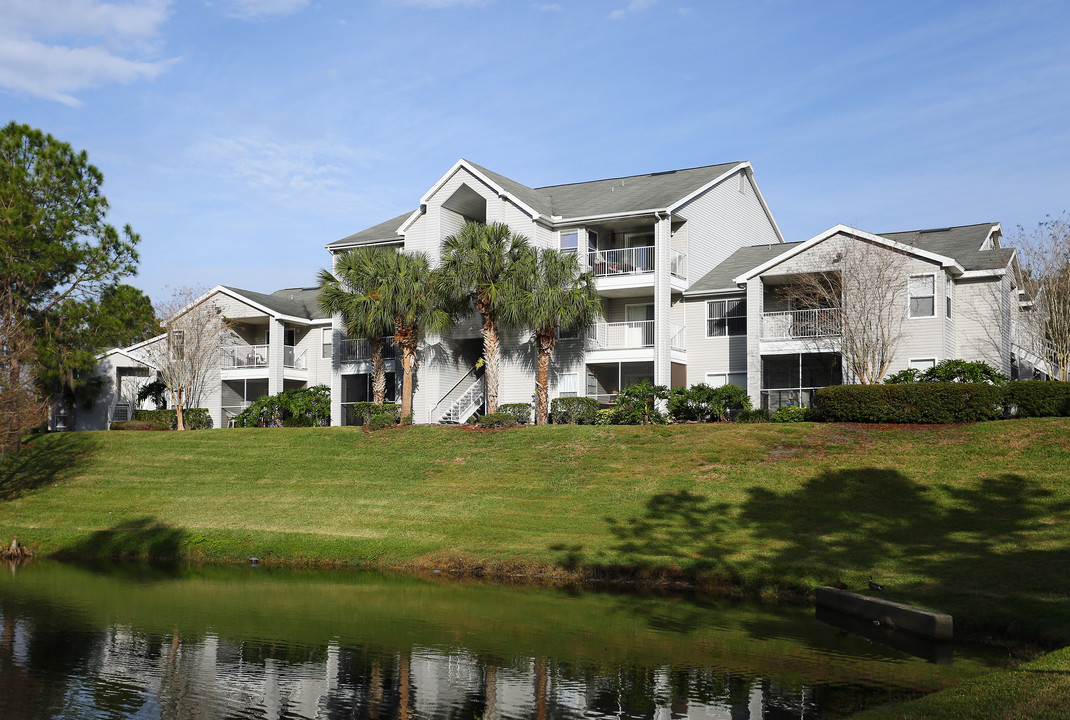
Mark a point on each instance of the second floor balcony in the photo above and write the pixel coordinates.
(241, 357)
(801, 324)
(633, 261)
(359, 350)
(632, 335)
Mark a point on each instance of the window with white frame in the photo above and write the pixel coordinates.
(570, 241)
(949, 297)
(922, 290)
(177, 342)
(566, 385)
(726, 317)
(326, 340)
(922, 364)
(717, 380)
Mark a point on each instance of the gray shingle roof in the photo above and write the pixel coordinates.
(653, 191)
(296, 302)
(963, 243)
(723, 276)
(383, 231)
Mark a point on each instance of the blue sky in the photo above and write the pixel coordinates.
(240, 136)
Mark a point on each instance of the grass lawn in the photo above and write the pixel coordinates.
(971, 520)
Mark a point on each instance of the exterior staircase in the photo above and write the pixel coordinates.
(462, 401)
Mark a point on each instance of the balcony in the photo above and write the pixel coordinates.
(801, 324)
(633, 261)
(241, 357)
(635, 334)
(356, 351)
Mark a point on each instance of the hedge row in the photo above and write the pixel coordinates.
(941, 402)
(192, 418)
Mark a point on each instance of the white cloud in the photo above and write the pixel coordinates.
(92, 43)
(291, 172)
(635, 6)
(54, 72)
(249, 9)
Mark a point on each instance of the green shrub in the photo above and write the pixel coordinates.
(791, 413)
(573, 411)
(702, 403)
(361, 413)
(604, 417)
(754, 415)
(1037, 398)
(299, 421)
(521, 412)
(313, 403)
(497, 420)
(962, 371)
(378, 421)
(140, 425)
(922, 402)
(635, 404)
(192, 418)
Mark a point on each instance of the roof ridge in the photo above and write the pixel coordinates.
(940, 229)
(639, 175)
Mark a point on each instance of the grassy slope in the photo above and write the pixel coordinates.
(971, 520)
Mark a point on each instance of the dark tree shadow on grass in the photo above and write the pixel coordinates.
(140, 539)
(992, 547)
(46, 461)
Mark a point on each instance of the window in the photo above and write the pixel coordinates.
(570, 241)
(592, 241)
(327, 342)
(922, 365)
(922, 296)
(726, 317)
(717, 380)
(566, 385)
(177, 341)
(949, 296)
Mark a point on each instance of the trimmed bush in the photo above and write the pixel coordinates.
(910, 403)
(791, 413)
(573, 411)
(378, 421)
(521, 412)
(140, 425)
(363, 412)
(605, 416)
(313, 403)
(497, 420)
(757, 415)
(192, 418)
(1037, 398)
(963, 371)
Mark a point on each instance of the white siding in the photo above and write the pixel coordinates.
(722, 220)
(710, 355)
(983, 321)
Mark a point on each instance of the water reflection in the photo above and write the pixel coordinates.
(75, 644)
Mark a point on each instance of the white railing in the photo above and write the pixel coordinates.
(467, 403)
(678, 264)
(676, 336)
(624, 335)
(622, 261)
(793, 324)
(291, 359)
(353, 351)
(244, 356)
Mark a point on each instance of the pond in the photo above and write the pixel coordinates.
(122, 641)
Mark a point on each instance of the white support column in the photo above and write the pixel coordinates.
(755, 301)
(276, 338)
(662, 302)
(336, 370)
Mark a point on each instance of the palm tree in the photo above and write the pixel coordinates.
(405, 289)
(554, 295)
(480, 264)
(353, 292)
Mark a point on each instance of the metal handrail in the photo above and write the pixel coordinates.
(793, 324)
(434, 408)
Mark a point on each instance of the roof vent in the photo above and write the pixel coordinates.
(663, 172)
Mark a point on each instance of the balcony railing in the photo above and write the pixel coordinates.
(354, 351)
(633, 261)
(244, 356)
(801, 324)
(291, 359)
(624, 335)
